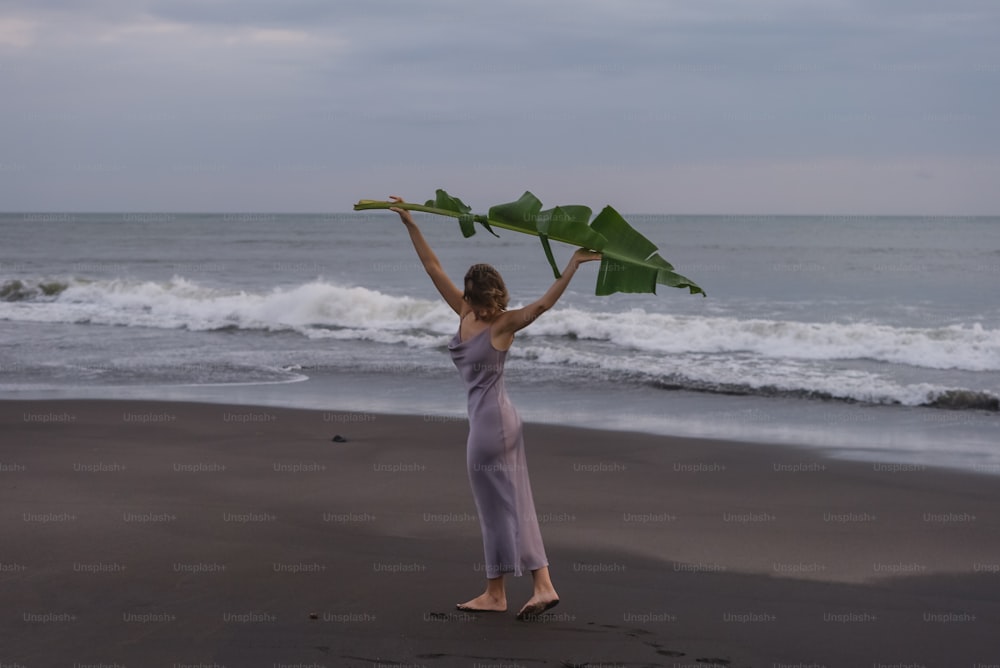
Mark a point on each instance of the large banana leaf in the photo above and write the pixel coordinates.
(629, 261)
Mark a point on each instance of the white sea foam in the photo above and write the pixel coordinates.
(746, 375)
(180, 303)
(714, 353)
(369, 314)
(968, 347)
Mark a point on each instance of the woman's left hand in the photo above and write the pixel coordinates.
(583, 255)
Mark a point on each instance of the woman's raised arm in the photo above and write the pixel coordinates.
(512, 321)
(449, 291)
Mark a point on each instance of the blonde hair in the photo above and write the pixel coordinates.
(485, 289)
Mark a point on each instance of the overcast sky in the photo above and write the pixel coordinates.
(659, 106)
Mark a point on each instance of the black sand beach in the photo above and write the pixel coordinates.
(181, 534)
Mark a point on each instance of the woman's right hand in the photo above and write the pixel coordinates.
(404, 215)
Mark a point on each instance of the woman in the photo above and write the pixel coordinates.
(495, 449)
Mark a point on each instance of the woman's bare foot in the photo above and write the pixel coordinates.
(539, 603)
(485, 602)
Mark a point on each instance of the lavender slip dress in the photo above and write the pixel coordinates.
(498, 470)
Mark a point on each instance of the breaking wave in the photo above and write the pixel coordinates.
(693, 352)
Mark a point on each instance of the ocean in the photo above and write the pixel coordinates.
(874, 338)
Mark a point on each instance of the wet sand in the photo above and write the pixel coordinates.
(182, 534)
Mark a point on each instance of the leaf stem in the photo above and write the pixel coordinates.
(369, 204)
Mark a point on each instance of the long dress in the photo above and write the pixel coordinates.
(498, 471)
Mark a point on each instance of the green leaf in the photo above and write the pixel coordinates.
(485, 222)
(674, 280)
(519, 215)
(632, 263)
(621, 275)
(570, 224)
(446, 202)
(467, 225)
(567, 224)
(547, 249)
(622, 238)
(443, 200)
(660, 262)
(629, 261)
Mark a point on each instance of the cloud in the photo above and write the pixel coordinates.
(138, 30)
(271, 36)
(314, 92)
(17, 32)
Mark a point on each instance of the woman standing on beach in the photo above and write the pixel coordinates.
(495, 457)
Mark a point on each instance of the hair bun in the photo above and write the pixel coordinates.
(484, 288)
